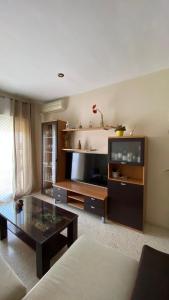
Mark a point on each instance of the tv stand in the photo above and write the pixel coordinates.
(84, 196)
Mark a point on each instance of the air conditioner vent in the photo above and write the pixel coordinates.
(53, 106)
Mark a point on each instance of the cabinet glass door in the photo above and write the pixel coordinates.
(130, 151)
(49, 157)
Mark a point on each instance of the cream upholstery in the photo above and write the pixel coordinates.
(11, 287)
(87, 271)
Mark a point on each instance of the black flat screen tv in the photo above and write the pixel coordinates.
(87, 167)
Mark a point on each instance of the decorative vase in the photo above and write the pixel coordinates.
(119, 133)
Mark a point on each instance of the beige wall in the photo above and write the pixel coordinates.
(142, 103)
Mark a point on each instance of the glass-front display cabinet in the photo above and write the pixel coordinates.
(126, 159)
(49, 157)
(126, 150)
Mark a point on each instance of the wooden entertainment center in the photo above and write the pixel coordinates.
(122, 201)
(81, 195)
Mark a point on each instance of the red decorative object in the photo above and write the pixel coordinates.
(95, 110)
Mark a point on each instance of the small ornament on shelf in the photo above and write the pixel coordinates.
(132, 131)
(67, 125)
(79, 145)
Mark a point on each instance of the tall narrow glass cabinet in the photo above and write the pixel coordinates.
(52, 160)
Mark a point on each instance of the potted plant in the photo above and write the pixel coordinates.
(119, 130)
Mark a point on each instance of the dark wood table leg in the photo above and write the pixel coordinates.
(3, 228)
(42, 259)
(72, 232)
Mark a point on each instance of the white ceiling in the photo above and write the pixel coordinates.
(94, 42)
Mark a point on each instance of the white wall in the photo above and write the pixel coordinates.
(142, 103)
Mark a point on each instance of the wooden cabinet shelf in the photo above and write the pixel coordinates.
(46, 166)
(128, 173)
(76, 204)
(79, 198)
(46, 180)
(127, 180)
(48, 152)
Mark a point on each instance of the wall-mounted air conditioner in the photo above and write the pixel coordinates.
(53, 106)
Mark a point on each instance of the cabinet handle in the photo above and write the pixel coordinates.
(122, 183)
(92, 207)
(92, 198)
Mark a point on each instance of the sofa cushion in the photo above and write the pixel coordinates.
(152, 281)
(11, 286)
(87, 271)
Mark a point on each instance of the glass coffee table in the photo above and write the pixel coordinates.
(39, 224)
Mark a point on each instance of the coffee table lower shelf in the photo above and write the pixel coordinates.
(59, 241)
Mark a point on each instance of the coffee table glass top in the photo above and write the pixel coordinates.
(38, 219)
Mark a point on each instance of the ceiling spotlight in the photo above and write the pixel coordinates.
(61, 75)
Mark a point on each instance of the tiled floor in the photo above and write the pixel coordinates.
(22, 258)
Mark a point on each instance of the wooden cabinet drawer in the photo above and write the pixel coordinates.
(60, 195)
(94, 206)
(59, 190)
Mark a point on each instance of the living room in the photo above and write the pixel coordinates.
(93, 66)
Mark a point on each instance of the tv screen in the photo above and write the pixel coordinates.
(88, 168)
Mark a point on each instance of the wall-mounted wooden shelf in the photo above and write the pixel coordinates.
(83, 151)
(88, 129)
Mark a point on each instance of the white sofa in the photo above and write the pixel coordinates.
(87, 271)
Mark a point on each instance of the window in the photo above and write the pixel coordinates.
(6, 157)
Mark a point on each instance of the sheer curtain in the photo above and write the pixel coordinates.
(22, 147)
(16, 167)
(6, 151)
